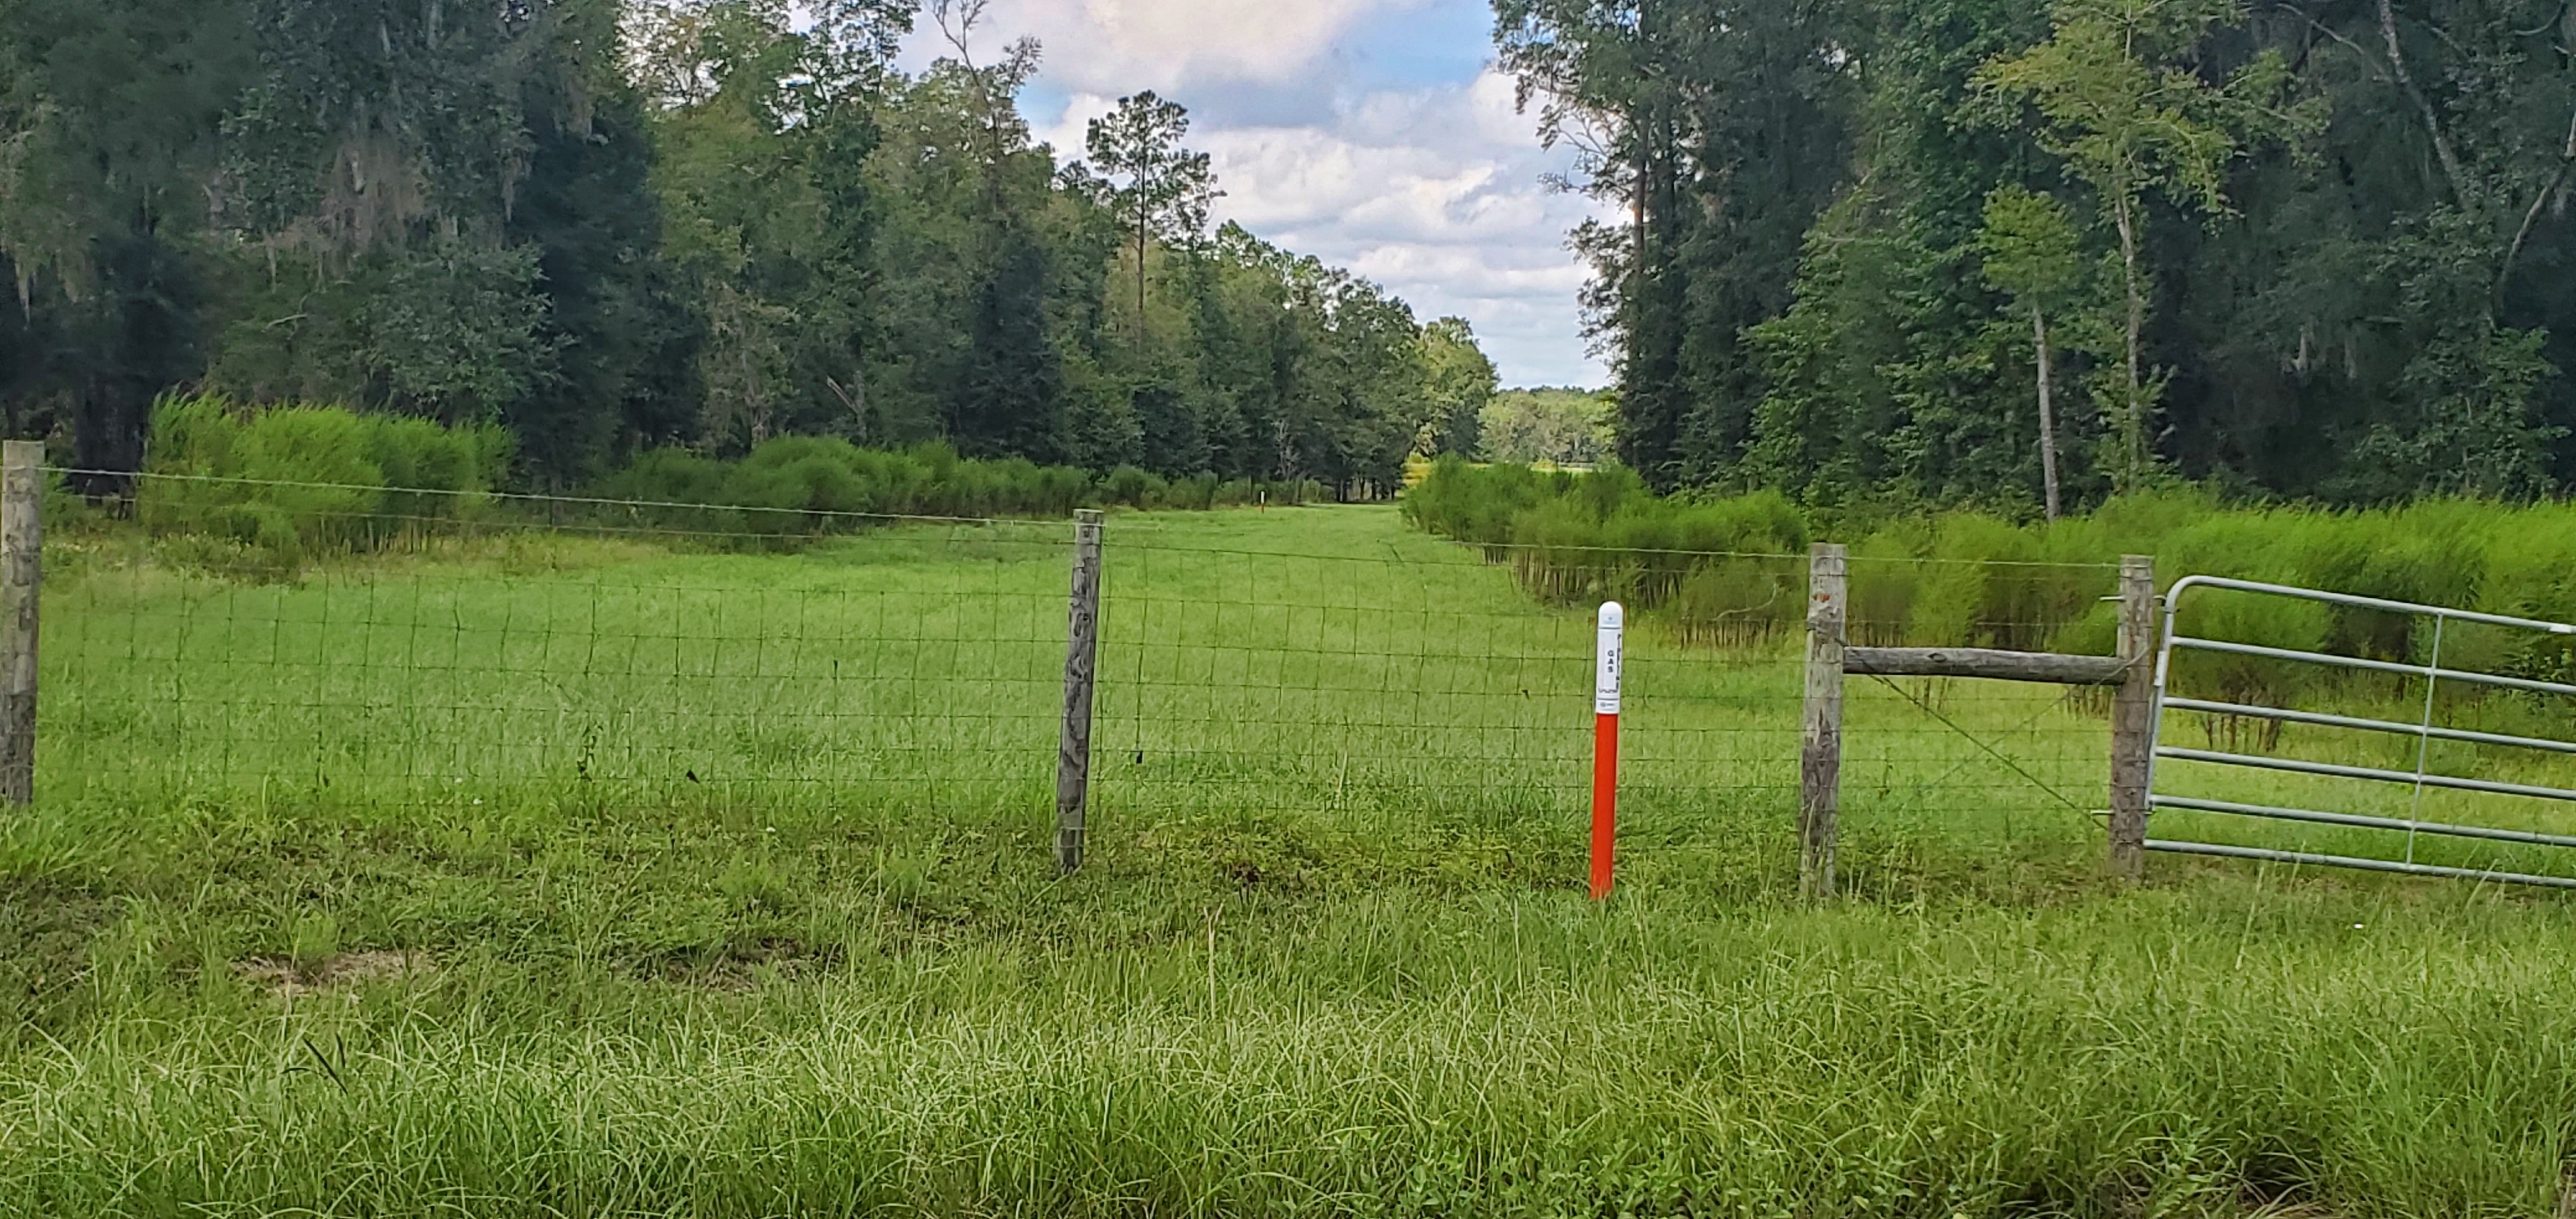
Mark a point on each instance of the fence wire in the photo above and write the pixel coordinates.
(610, 664)
(1973, 771)
(1413, 694)
(1271, 684)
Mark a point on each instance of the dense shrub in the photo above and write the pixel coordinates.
(1717, 569)
(1602, 536)
(805, 485)
(286, 480)
(280, 483)
(1966, 579)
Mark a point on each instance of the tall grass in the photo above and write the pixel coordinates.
(809, 485)
(1510, 1056)
(585, 877)
(280, 484)
(1964, 579)
(291, 479)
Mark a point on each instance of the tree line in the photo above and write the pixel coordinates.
(1557, 426)
(2025, 254)
(613, 227)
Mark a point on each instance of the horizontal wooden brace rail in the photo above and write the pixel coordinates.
(2052, 668)
(2130, 674)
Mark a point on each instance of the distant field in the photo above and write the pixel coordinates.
(544, 875)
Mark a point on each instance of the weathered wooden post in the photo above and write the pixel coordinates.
(2133, 717)
(1081, 655)
(22, 544)
(1820, 763)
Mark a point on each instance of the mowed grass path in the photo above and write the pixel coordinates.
(559, 876)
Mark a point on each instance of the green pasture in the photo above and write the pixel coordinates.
(543, 874)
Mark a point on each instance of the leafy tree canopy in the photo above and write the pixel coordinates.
(2303, 248)
(609, 226)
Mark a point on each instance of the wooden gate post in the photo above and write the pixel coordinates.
(22, 548)
(2133, 718)
(1081, 656)
(1820, 762)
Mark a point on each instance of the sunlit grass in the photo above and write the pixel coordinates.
(568, 876)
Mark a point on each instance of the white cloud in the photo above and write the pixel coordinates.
(1070, 129)
(1436, 195)
(1433, 190)
(1120, 46)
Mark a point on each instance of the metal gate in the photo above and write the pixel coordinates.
(2424, 732)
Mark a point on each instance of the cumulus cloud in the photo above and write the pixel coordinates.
(1430, 187)
(1115, 46)
(1436, 193)
(1068, 130)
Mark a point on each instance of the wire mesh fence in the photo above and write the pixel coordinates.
(1408, 693)
(627, 659)
(1268, 681)
(1974, 769)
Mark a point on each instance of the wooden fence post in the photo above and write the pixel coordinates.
(1820, 762)
(22, 544)
(1081, 655)
(2133, 718)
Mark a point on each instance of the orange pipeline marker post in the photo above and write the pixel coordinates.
(1608, 655)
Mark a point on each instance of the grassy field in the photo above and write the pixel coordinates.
(546, 875)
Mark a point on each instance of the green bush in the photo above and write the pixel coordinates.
(1604, 536)
(282, 483)
(807, 485)
(1481, 504)
(1966, 579)
(67, 512)
(289, 480)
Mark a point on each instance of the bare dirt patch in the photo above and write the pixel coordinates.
(342, 973)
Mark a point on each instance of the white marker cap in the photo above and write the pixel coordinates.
(1610, 657)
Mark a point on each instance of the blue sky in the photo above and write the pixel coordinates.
(1374, 134)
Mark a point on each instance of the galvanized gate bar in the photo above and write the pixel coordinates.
(2358, 821)
(2323, 720)
(2375, 666)
(2420, 779)
(2354, 861)
(2359, 601)
(2332, 770)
